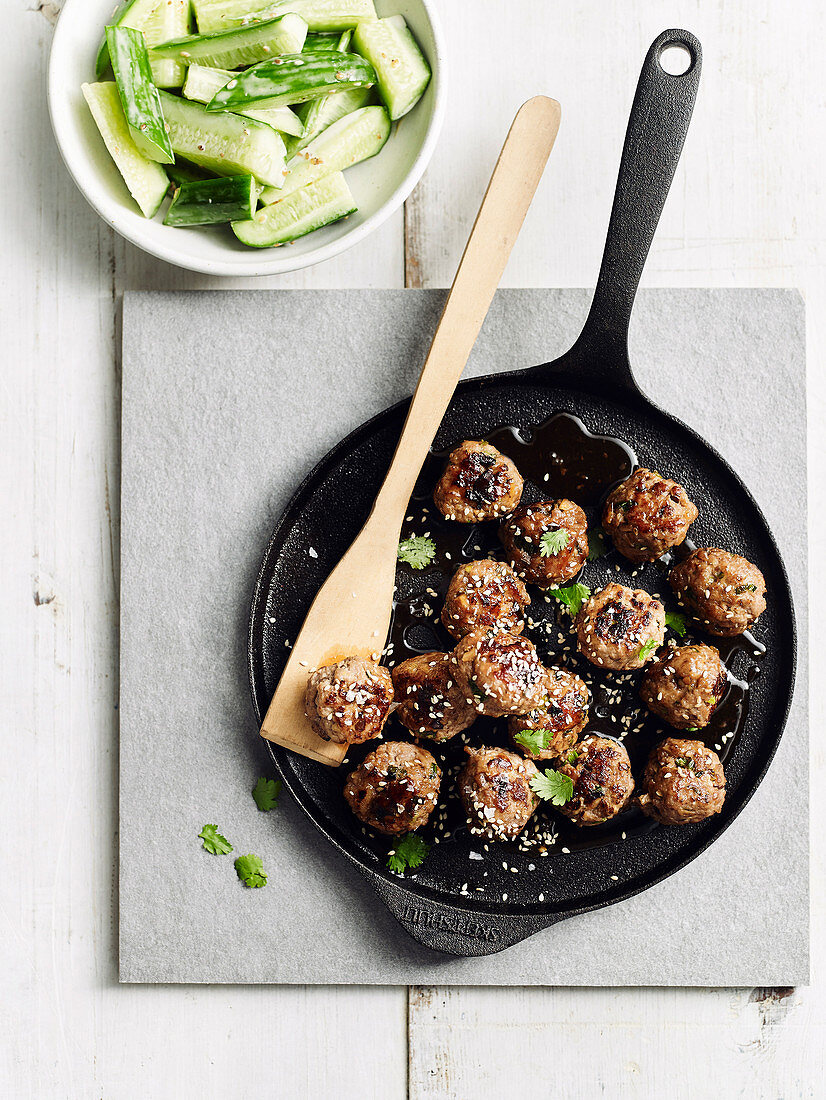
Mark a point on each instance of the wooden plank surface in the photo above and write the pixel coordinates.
(746, 210)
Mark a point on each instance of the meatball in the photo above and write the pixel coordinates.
(620, 628)
(560, 556)
(647, 514)
(723, 591)
(484, 595)
(430, 701)
(603, 783)
(685, 685)
(500, 673)
(683, 782)
(561, 717)
(479, 483)
(495, 789)
(395, 788)
(349, 701)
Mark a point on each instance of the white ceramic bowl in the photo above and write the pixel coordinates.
(379, 185)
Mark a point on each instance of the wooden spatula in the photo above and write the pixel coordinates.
(351, 613)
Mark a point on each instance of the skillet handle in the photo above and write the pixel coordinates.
(656, 132)
(452, 931)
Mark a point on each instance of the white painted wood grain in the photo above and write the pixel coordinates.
(746, 210)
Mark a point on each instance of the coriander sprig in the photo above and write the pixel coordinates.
(554, 542)
(573, 596)
(534, 740)
(213, 841)
(417, 552)
(266, 792)
(554, 787)
(409, 852)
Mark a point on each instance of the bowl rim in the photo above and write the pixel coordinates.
(109, 209)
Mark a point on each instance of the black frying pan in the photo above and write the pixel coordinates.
(456, 902)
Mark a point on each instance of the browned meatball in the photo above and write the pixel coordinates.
(479, 483)
(495, 789)
(552, 560)
(430, 701)
(603, 783)
(484, 595)
(684, 685)
(500, 673)
(723, 591)
(647, 514)
(617, 627)
(395, 788)
(560, 719)
(683, 782)
(349, 701)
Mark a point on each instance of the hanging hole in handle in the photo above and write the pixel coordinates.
(676, 59)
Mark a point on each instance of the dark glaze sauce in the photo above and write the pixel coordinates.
(560, 458)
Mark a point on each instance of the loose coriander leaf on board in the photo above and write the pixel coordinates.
(214, 842)
(410, 852)
(647, 649)
(417, 552)
(574, 596)
(554, 787)
(676, 622)
(553, 542)
(266, 792)
(250, 870)
(535, 741)
(597, 545)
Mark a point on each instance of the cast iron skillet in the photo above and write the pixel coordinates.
(440, 905)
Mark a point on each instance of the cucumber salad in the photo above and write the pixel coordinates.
(249, 115)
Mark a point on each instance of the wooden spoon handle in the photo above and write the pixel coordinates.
(510, 192)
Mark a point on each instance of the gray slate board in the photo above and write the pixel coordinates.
(229, 398)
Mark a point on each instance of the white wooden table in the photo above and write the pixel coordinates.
(746, 209)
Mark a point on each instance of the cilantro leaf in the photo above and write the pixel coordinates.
(676, 622)
(477, 691)
(250, 870)
(554, 787)
(534, 741)
(574, 596)
(646, 650)
(410, 852)
(266, 792)
(417, 552)
(214, 843)
(597, 545)
(553, 541)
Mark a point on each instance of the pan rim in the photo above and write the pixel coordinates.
(548, 911)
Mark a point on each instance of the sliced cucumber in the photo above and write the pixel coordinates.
(158, 21)
(314, 42)
(356, 137)
(181, 172)
(209, 202)
(319, 15)
(139, 97)
(170, 19)
(296, 78)
(226, 144)
(202, 83)
(131, 13)
(237, 48)
(403, 74)
(299, 213)
(146, 180)
(321, 113)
